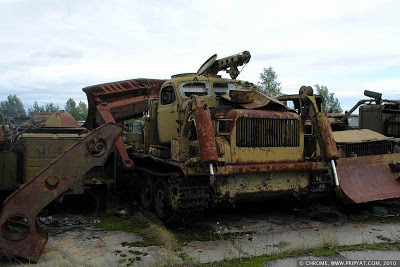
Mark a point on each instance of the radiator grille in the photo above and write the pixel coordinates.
(368, 149)
(266, 132)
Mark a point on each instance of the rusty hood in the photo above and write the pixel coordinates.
(358, 136)
(253, 99)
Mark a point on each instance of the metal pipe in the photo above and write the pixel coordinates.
(212, 177)
(359, 103)
(335, 173)
(211, 169)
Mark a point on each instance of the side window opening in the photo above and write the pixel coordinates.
(168, 95)
(194, 88)
(223, 88)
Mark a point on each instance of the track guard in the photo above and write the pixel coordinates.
(21, 208)
(369, 178)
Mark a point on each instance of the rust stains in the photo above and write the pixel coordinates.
(269, 167)
(369, 178)
(61, 120)
(205, 132)
(123, 99)
(233, 114)
(21, 208)
(117, 101)
(328, 141)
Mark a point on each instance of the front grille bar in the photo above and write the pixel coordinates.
(267, 132)
(369, 148)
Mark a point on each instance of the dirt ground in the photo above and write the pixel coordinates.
(220, 234)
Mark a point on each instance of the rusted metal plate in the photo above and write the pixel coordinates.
(61, 120)
(328, 142)
(21, 208)
(258, 100)
(270, 167)
(36, 119)
(123, 99)
(358, 136)
(370, 178)
(118, 101)
(205, 132)
(242, 96)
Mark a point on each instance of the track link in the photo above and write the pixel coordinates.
(187, 201)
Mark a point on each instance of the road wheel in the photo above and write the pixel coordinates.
(162, 199)
(146, 192)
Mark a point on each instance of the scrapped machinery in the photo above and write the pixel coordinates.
(48, 157)
(206, 140)
(377, 114)
(368, 167)
(196, 140)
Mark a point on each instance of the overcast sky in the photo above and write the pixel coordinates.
(50, 50)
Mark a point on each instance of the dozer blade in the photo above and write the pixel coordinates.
(370, 178)
(20, 235)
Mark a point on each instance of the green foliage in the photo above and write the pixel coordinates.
(12, 106)
(79, 112)
(268, 83)
(50, 107)
(82, 109)
(35, 109)
(332, 104)
(70, 107)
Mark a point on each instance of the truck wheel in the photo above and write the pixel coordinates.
(146, 192)
(162, 202)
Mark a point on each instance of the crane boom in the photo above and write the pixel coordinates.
(229, 64)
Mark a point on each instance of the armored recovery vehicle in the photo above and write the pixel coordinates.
(204, 140)
(208, 139)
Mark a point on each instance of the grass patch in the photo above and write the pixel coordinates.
(205, 233)
(329, 242)
(165, 237)
(318, 252)
(136, 224)
(153, 234)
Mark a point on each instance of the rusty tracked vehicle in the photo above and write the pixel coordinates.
(203, 139)
(207, 139)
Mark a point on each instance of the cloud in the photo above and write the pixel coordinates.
(49, 50)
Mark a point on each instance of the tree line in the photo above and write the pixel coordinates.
(268, 83)
(271, 87)
(13, 107)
